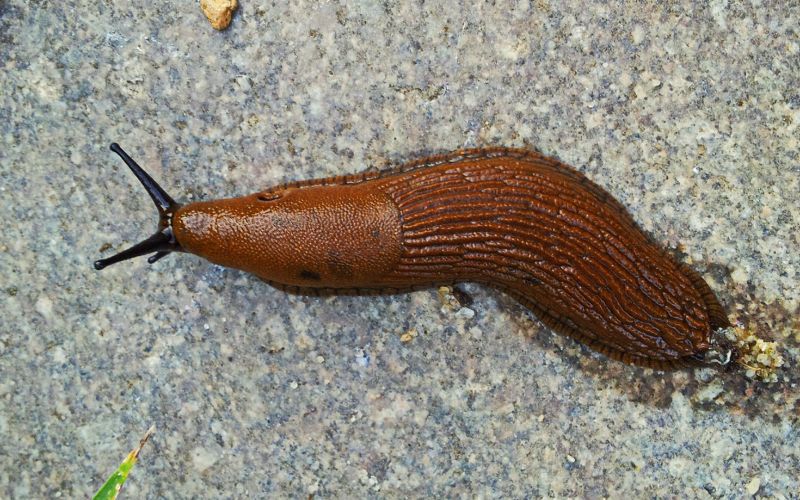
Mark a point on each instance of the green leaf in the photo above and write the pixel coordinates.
(110, 489)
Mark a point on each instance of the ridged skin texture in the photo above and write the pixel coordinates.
(512, 219)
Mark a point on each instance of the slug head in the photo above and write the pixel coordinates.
(335, 236)
(162, 242)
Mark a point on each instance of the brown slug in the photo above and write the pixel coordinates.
(512, 219)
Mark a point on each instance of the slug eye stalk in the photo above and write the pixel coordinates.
(162, 242)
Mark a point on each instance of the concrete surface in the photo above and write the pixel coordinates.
(688, 114)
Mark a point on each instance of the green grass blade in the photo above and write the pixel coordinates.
(110, 489)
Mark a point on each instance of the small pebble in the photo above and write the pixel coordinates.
(753, 486)
(219, 12)
(465, 313)
(409, 335)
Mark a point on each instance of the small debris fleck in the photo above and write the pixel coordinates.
(448, 299)
(465, 313)
(219, 12)
(759, 358)
(753, 486)
(362, 359)
(409, 335)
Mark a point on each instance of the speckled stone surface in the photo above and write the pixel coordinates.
(688, 114)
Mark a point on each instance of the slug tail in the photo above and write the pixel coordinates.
(162, 242)
(716, 314)
(567, 328)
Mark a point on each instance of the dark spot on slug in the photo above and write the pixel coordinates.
(310, 275)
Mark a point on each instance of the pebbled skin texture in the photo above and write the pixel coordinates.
(338, 236)
(512, 219)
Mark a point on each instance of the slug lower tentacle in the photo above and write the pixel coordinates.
(511, 219)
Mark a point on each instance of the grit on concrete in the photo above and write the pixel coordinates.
(688, 114)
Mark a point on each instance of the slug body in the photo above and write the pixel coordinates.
(511, 219)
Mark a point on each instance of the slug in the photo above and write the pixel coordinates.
(515, 220)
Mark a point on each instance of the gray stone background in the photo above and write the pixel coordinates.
(688, 114)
